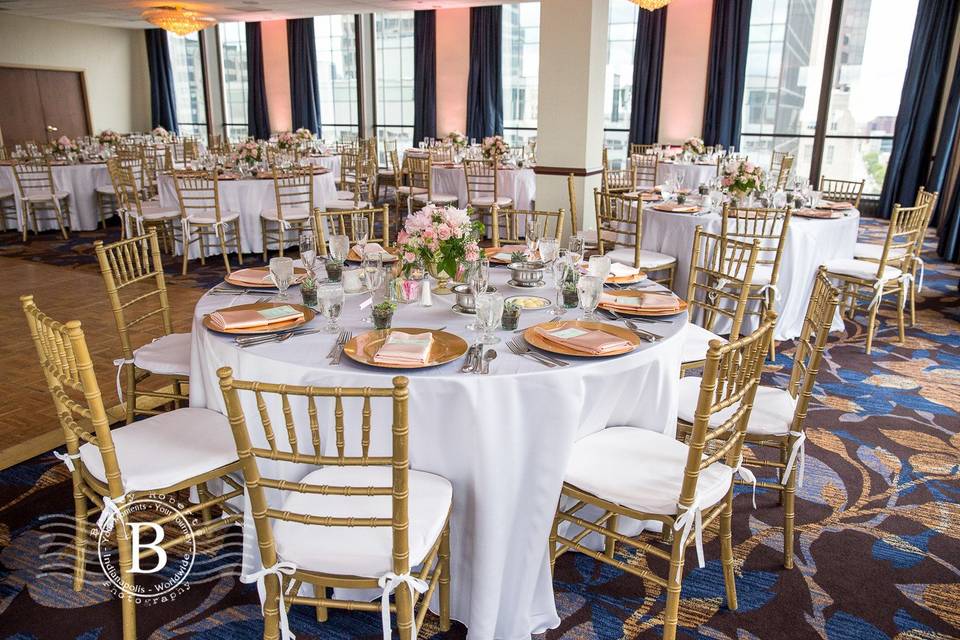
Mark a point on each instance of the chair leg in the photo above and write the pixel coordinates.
(913, 303)
(186, 248)
(222, 237)
(271, 608)
(404, 600)
(263, 236)
(673, 590)
(445, 579)
(236, 234)
(610, 544)
(323, 613)
(901, 303)
(872, 325)
(127, 604)
(789, 500)
(726, 553)
(131, 400)
(552, 543)
(80, 535)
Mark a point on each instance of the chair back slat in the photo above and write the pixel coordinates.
(329, 223)
(198, 193)
(483, 180)
(647, 168)
(721, 270)
(838, 190)
(509, 225)
(768, 226)
(619, 222)
(293, 190)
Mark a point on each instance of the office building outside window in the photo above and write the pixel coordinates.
(520, 57)
(618, 93)
(337, 75)
(233, 73)
(188, 85)
(394, 68)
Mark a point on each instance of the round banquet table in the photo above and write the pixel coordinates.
(330, 162)
(248, 197)
(694, 174)
(517, 184)
(502, 440)
(809, 243)
(80, 181)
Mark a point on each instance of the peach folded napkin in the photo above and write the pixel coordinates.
(405, 348)
(620, 270)
(504, 252)
(673, 207)
(373, 247)
(587, 341)
(255, 277)
(645, 302)
(249, 318)
(836, 206)
(823, 214)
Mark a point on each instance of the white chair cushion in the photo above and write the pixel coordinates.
(46, 196)
(772, 413)
(344, 195)
(860, 269)
(696, 341)
(166, 449)
(290, 214)
(156, 212)
(869, 251)
(762, 274)
(641, 470)
(385, 172)
(106, 189)
(409, 190)
(346, 205)
(361, 551)
(225, 216)
(167, 355)
(648, 259)
(486, 201)
(438, 198)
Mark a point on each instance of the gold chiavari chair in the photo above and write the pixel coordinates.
(641, 149)
(198, 193)
(776, 161)
(442, 153)
(778, 416)
(8, 203)
(110, 469)
(38, 193)
(349, 157)
(294, 211)
(137, 216)
(340, 222)
(627, 472)
(132, 273)
(509, 225)
(420, 173)
(589, 235)
(387, 173)
(869, 282)
(783, 172)
(721, 270)
(647, 171)
(871, 252)
(769, 227)
(620, 233)
(483, 187)
(359, 174)
(618, 180)
(837, 190)
(360, 521)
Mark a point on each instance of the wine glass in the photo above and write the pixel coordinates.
(281, 272)
(361, 231)
(478, 279)
(330, 297)
(372, 269)
(533, 233)
(559, 269)
(589, 289)
(308, 250)
(575, 248)
(339, 247)
(489, 313)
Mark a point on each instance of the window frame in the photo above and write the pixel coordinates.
(204, 84)
(379, 128)
(359, 126)
(226, 126)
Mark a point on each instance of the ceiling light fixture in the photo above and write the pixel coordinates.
(178, 20)
(651, 5)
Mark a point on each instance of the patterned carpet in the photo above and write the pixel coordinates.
(878, 553)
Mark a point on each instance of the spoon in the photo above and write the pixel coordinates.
(488, 357)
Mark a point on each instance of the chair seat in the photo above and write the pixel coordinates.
(502, 201)
(641, 470)
(385, 172)
(860, 269)
(166, 449)
(106, 189)
(762, 274)
(696, 341)
(167, 355)
(648, 259)
(290, 214)
(5, 193)
(772, 413)
(344, 195)
(225, 216)
(46, 196)
(869, 251)
(437, 198)
(410, 190)
(361, 551)
(156, 212)
(346, 205)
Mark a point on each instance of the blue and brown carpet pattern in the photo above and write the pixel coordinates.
(878, 520)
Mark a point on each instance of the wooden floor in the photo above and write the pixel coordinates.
(28, 424)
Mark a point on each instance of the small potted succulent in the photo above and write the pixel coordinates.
(308, 290)
(383, 314)
(518, 256)
(334, 270)
(511, 316)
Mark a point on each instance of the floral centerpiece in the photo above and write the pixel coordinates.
(494, 147)
(695, 146)
(64, 145)
(108, 137)
(160, 132)
(303, 134)
(249, 152)
(441, 239)
(740, 177)
(457, 139)
(286, 141)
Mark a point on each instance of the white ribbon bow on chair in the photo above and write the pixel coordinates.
(771, 287)
(67, 459)
(118, 363)
(796, 450)
(685, 521)
(919, 281)
(389, 582)
(280, 569)
(110, 513)
(747, 476)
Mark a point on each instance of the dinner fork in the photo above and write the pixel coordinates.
(336, 356)
(518, 352)
(339, 341)
(525, 349)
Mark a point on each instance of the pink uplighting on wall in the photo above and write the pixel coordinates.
(685, 54)
(276, 74)
(453, 65)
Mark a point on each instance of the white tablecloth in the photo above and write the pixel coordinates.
(693, 174)
(502, 440)
(518, 184)
(80, 181)
(249, 198)
(331, 162)
(809, 243)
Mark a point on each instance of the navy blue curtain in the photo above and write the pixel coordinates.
(424, 75)
(947, 162)
(647, 75)
(726, 72)
(258, 117)
(304, 88)
(163, 100)
(484, 83)
(923, 86)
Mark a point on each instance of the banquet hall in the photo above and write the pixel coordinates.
(556, 319)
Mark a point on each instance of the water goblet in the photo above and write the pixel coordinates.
(361, 231)
(339, 247)
(489, 308)
(589, 289)
(548, 250)
(330, 297)
(575, 248)
(478, 279)
(599, 266)
(308, 250)
(372, 269)
(559, 269)
(533, 233)
(281, 272)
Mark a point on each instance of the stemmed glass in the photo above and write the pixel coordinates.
(330, 297)
(372, 268)
(600, 266)
(559, 269)
(575, 247)
(489, 313)
(308, 250)
(339, 246)
(532, 234)
(589, 289)
(361, 232)
(478, 279)
(281, 272)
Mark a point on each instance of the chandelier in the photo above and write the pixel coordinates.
(651, 5)
(178, 20)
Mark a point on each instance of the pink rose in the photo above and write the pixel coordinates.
(444, 232)
(748, 167)
(727, 181)
(409, 257)
(402, 237)
(472, 253)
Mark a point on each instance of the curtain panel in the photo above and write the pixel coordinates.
(258, 116)
(647, 76)
(726, 72)
(424, 75)
(163, 98)
(304, 85)
(484, 81)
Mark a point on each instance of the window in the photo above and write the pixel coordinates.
(394, 65)
(617, 99)
(233, 72)
(337, 75)
(521, 71)
(786, 56)
(187, 63)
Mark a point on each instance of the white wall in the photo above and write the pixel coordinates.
(114, 62)
(686, 51)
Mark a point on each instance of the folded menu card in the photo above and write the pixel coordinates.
(585, 340)
(645, 301)
(839, 206)
(405, 348)
(249, 318)
(620, 270)
(252, 277)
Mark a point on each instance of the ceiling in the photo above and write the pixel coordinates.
(120, 13)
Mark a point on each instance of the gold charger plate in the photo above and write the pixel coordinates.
(308, 315)
(668, 208)
(446, 347)
(631, 293)
(611, 279)
(298, 274)
(534, 338)
(389, 255)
